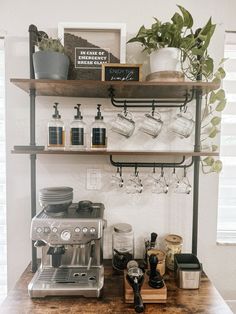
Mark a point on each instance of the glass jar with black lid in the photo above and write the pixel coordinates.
(122, 245)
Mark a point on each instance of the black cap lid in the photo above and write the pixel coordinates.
(78, 116)
(56, 114)
(99, 114)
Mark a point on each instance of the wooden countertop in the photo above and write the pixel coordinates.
(206, 300)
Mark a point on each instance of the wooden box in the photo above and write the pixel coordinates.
(149, 295)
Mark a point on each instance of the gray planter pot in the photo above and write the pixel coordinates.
(50, 65)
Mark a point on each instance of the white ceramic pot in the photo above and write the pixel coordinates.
(165, 59)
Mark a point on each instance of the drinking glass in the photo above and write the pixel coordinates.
(123, 124)
(134, 184)
(152, 124)
(184, 186)
(173, 180)
(117, 180)
(157, 183)
(182, 124)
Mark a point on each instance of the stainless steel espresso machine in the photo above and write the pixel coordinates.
(72, 251)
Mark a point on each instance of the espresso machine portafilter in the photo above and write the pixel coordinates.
(135, 278)
(72, 251)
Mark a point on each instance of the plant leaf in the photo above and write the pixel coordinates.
(213, 132)
(212, 98)
(221, 105)
(220, 94)
(215, 121)
(217, 166)
(214, 148)
(187, 17)
(208, 161)
(178, 20)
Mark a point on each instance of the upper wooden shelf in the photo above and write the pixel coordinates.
(100, 89)
(28, 150)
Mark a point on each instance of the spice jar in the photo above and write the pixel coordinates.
(122, 245)
(174, 245)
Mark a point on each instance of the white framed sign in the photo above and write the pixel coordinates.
(89, 45)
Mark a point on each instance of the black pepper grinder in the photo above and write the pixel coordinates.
(99, 131)
(155, 278)
(153, 240)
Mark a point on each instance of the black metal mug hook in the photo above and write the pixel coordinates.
(162, 171)
(125, 108)
(120, 171)
(153, 107)
(185, 172)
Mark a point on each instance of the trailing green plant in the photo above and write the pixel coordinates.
(179, 33)
(50, 44)
(196, 64)
(215, 103)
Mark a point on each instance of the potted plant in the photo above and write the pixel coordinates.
(175, 46)
(50, 62)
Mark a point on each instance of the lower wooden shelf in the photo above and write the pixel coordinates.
(35, 151)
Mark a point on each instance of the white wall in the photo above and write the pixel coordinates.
(147, 213)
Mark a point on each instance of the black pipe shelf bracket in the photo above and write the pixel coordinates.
(150, 103)
(181, 164)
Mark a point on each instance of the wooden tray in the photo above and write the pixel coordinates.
(149, 295)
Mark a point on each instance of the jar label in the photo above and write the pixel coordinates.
(56, 135)
(98, 136)
(77, 136)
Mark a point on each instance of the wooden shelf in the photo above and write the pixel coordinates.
(115, 152)
(99, 89)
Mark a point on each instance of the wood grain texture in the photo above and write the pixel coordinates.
(149, 295)
(100, 89)
(117, 152)
(206, 300)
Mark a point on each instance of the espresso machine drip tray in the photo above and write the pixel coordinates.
(49, 281)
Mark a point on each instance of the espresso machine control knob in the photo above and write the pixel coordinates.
(65, 235)
(85, 230)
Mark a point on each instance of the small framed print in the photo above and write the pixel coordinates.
(89, 45)
(121, 72)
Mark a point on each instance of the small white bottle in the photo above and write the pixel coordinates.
(56, 131)
(78, 131)
(98, 131)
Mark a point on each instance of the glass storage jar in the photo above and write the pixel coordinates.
(122, 245)
(173, 245)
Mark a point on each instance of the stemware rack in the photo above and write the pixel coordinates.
(129, 94)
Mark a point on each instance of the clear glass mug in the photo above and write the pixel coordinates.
(123, 124)
(182, 124)
(152, 124)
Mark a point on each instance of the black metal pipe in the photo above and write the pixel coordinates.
(33, 31)
(33, 206)
(197, 148)
(151, 164)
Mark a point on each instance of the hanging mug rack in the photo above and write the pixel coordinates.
(149, 103)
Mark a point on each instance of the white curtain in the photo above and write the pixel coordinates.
(227, 184)
(3, 251)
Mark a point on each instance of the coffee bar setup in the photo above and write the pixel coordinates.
(68, 271)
